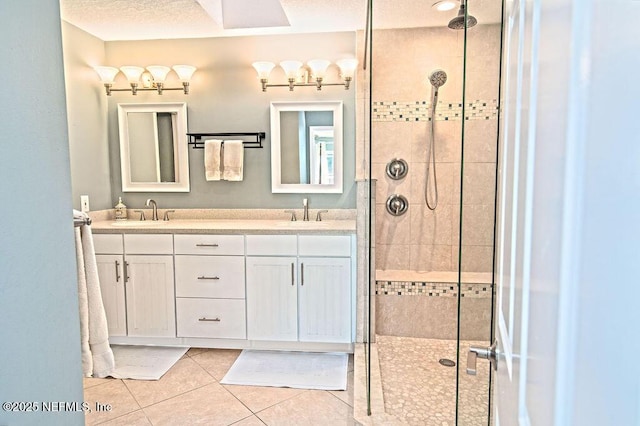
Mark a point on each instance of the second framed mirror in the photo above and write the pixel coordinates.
(306, 147)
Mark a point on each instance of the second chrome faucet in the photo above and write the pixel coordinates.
(305, 214)
(153, 204)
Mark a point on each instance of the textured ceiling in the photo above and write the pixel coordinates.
(165, 19)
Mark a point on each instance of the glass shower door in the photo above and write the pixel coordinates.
(432, 283)
(476, 226)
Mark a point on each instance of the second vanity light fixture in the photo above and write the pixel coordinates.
(294, 70)
(152, 80)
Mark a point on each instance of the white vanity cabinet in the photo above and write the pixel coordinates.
(210, 291)
(110, 261)
(272, 291)
(324, 295)
(137, 284)
(282, 291)
(299, 288)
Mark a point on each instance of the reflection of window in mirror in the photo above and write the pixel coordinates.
(302, 156)
(306, 147)
(321, 149)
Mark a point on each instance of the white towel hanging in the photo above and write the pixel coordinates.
(212, 165)
(233, 153)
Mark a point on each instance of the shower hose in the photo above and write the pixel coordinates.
(431, 157)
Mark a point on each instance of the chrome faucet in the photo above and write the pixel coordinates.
(153, 204)
(305, 215)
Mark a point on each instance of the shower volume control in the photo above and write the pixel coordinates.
(397, 205)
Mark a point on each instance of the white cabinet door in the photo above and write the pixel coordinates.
(272, 298)
(110, 272)
(325, 300)
(150, 296)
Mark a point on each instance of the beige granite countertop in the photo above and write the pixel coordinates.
(224, 226)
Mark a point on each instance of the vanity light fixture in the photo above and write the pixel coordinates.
(153, 78)
(298, 75)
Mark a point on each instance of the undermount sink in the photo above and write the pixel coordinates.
(139, 223)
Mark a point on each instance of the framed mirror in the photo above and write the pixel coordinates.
(306, 147)
(153, 147)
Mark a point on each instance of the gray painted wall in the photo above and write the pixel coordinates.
(87, 117)
(226, 97)
(39, 326)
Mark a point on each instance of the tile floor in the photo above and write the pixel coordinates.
(190, 393)
(417, 389)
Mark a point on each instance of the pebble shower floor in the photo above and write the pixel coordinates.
(421, 391)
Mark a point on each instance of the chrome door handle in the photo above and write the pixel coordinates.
(476, 352)
(205, 319)
(208, 278)
(117, 271)
(206, 245)
(293, 281)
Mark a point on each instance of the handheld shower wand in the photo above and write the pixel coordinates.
(437, 78)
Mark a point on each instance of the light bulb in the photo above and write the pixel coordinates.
(107, 74)
(291, 68)
(318, 67)
(263, 68)
(184, 72)
(347, 67)
(159, 72)
(132, 73)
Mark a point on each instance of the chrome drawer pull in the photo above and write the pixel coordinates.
(209, 319)
(126, 272)
(206, 245)
(292, 275)
(208, 278)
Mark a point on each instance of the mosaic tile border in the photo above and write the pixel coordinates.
(421, 110)
(415, 288)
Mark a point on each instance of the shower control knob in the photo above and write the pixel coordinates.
(397, 169)
(397, 205)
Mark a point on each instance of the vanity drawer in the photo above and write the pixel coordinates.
(209, 244)
(324, 245)
(108, 243)
(148, 243)
(213, 318)
(272, 245)
(210, 276)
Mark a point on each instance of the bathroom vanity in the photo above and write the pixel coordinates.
(264, 284)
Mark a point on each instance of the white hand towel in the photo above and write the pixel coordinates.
(212, 169)
(97, 357)
(103, 361)
(233, 153)
(83, 304)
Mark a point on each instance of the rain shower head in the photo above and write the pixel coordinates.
(437, 78)
(457, 23)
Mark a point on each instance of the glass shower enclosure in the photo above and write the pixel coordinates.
(432, 143)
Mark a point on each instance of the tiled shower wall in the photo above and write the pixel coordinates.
(421, 239)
